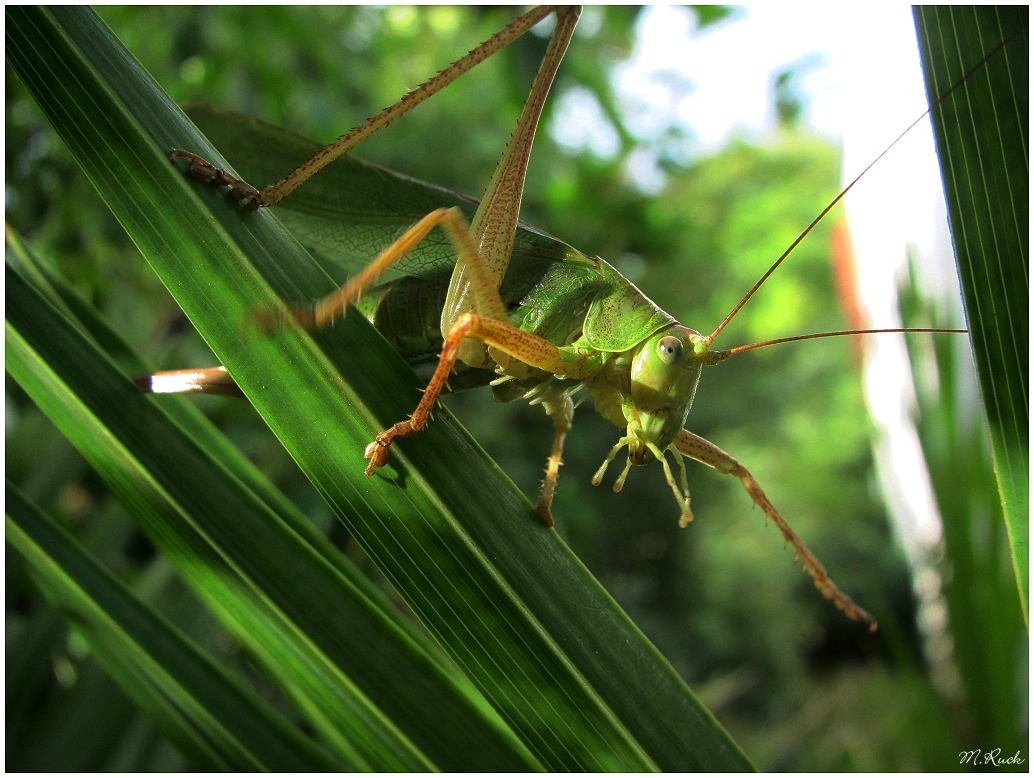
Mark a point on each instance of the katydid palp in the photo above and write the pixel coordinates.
(563, 326)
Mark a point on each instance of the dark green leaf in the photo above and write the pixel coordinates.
(982, 134)
(272, 589)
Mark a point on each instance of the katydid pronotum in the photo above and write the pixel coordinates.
(639, 365)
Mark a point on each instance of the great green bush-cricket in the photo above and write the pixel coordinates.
(542, 331)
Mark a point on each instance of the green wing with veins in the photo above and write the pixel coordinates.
(353, 209)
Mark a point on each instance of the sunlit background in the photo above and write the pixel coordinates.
(688, 147)
(700, 82)
(686, 91)
(701, 87)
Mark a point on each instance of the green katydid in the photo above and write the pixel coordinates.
(579, 325)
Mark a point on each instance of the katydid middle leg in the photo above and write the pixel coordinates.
(560, 408)
(525, 347)
(473, 308)
(696, 447)
(489, 326)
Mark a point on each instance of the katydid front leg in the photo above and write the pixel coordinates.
(704, 451)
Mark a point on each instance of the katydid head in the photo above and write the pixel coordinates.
(665, 373)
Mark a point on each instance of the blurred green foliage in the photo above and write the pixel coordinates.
(796, 684)
(979, 582)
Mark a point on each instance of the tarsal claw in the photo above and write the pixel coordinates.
(378, 455)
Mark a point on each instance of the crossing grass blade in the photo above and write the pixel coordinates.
(985, 619)
(281, 572)
(564, 667)
(272, 591)
(982, 132)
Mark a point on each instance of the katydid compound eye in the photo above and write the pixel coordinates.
(669, 349)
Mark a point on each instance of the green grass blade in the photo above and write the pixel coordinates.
(197, 425)
(982, 136)
(505, 597)
(156, 473)
(216, 722)
(985, 617)
(268, 586)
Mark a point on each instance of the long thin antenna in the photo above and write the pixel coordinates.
(714, 357)
(839, 197)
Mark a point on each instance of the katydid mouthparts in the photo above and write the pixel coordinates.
(575, 326)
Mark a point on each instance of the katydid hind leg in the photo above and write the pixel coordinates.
(696, 447)
(484, 254)
(495, 222)
(203, 170)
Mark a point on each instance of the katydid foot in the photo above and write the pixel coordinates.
(203, 170)
(377, 452)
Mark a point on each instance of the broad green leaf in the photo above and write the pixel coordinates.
(210, 716)
(504, 596)
(981, 131)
